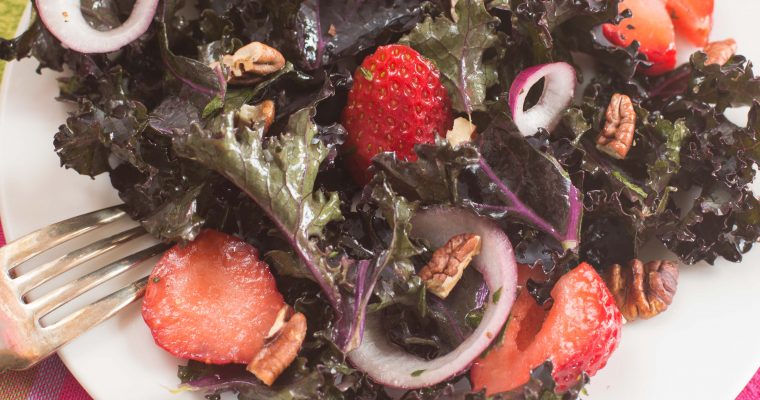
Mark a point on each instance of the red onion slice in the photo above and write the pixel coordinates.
(64, 20)
(390, 365)
(559, 88)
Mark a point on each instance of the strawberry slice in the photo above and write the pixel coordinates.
(526, 272)
(397, 101)
(578, 333)
(211, 300)
(651, 26)
(692, 19)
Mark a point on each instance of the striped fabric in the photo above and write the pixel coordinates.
(50, 380)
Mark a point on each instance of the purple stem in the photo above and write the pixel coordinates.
(168, 65)
(355, 332)
(677, 79)
(222, 81)
(568, 239)
(188, 82)
(332, 295)
(518, 206)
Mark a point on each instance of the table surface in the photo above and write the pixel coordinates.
(50, 379)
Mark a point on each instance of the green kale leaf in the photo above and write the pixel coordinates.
(278, 174)
(457, 49)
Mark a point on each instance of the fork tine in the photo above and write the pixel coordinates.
(50, 236)
(47, 271)
(60, 296)
(82, 320)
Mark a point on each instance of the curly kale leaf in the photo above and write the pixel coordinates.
(457, 48)
(717, 163)
(730, 85)
(394, 255)
(37, 42)
(316, 33)
(515, 180)
(539, 26)
(505, 177)
(235, 98)
(193, 73)
(298, 383)
(279, 174)
(665, 139)
(79, 143)
(685, 180)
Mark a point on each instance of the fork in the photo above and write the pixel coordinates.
(24, 340)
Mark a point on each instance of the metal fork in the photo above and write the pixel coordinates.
(23, 339)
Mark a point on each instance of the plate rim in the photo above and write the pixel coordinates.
(10, 66)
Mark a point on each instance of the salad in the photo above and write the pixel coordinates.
(384, 199)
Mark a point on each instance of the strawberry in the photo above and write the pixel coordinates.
(397, 101)
(526, 272)
(692, 19)
(211, 300)
(578, 333)
(651, 26)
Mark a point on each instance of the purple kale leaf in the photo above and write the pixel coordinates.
(316, 33)
(504, 177)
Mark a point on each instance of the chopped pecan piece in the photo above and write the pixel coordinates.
(462, 132)
(643, 290)
(617, 136)
(263, 112)
(250, 63)
(283, 343)
(446, 266)
(720, 52)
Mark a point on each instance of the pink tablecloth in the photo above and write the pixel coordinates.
(50, 380)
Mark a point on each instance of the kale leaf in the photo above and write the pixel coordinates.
(505, 177)
(79, 143)
(279, 176)
(316, 33)
(457, 49)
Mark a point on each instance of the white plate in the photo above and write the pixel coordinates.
(707, 346)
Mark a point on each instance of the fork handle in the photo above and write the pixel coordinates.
(16, 351)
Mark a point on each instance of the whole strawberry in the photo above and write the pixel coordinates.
(397, 101)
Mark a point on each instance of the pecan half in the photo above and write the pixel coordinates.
(263, 112)
(446, 266)
(250, 63)
(643, 290)
(617, 136)
(461, 132)
(720, 52)
(284, 342)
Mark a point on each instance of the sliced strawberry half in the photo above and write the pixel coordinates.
(212, 300)
(578, 333)
(651, 26)
(693, 19)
